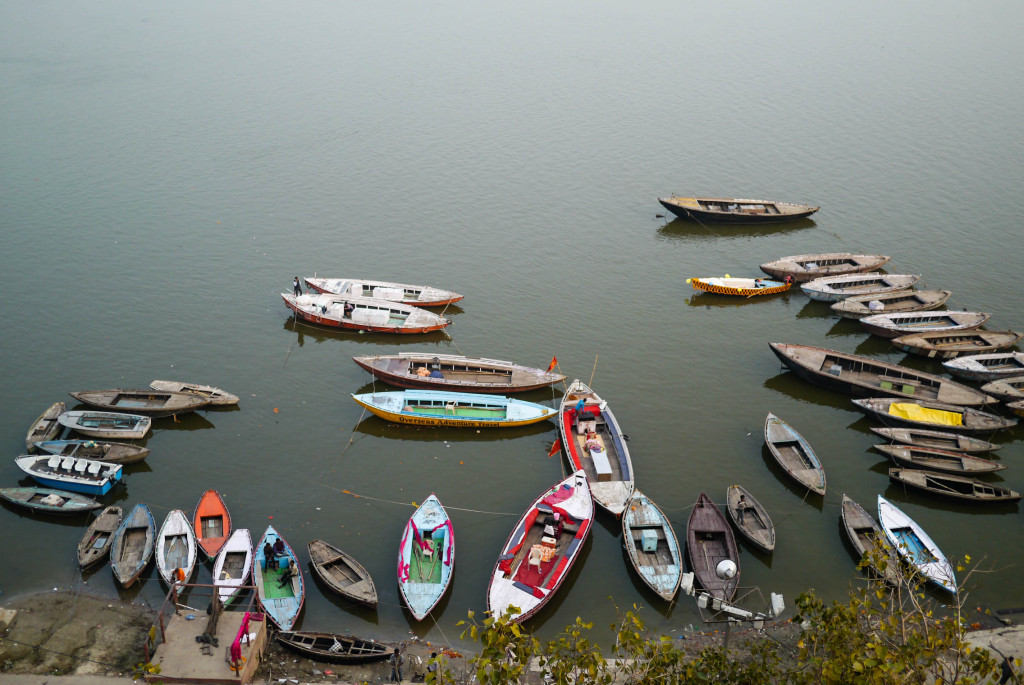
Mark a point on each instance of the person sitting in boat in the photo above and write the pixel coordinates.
(758, 283)
(553, 526)
(349, 308)
(289, 573)
(279, 548)
(268, 554)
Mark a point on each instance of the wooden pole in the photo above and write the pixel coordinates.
(591, 381)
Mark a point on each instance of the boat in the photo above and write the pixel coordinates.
(113, 452)
(211, 523)
(426, 557)
(902, 301)
(49, 501)
(132, 545)
(652, 546)
(709, 542)
(865, 376)
(87, 476)
(954, 486)
(895, 325)
(913, 545)
(867, 538)
(542, 548)
(593, 443)
(342, 573)
(338, 649)
(742, 287)
(282, 603)
(928, 414)
(458, 409)
(986, 367)
(794, 454)
(148, 402)
(363, 314)
(108, 425)
(94, 546)
(434, 371)
(1016, 407)
(938, 460)
(734, 210)
(417, 295)
(176, 548)
(806, 267)
(947, 345)
(838, 288)
(942, 440)
(1005, 389)
(215, 397)
(750, 518)
(46, 427)
(232, 564)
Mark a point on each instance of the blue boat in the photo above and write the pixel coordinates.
(281, 599)
(87, 476)
(131, 548)
(910, 541)
(426, 557)
(652, 546)
(49, 501)
(461, 409)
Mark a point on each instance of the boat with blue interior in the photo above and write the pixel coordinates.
(459, 409)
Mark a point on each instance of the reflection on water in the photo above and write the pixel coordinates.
(814, 309)
(706, 299)
(692, 231)
(379, 428)
(790, 384)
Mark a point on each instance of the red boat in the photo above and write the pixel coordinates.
(363, 314)
(211, 523)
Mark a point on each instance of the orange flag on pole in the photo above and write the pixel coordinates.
(554, 360)
(557, 445)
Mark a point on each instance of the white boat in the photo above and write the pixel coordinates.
(897, 325)
(87, 476)
(913, 545)
(363, 313)
(426, 557)
(986, 367)
(215, 396)
(106, 424)
(418, 295)
(232, 564)
(176, 548)
(836, 288)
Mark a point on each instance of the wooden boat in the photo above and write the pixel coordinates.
(541, 550)
(864, 376)
(947, 345)
(417, 295)
(921, 437)
(902, 301)
(709, 542)
(733, 210)
(458, 409)
(211, 523)
(914, 546)
(750, 518)
(426, 557)
(87, 476)
(455, 372)
(928, 414)
(742, 287)
(232, 564)
(1006, 389)
(338, 649)
(794, 454)
(213, 396)
(113, 452)
(342, 573)
(593, 443)
(176, 548)
(282, 604)
(1016, 407)
(154, 403)
(838, 288)
(363, 314)
(986, 367)
(895, 325)
(954, 486)
(46, 427)
(938, 460)
(806, 267)
(652, 546)
(49, 501)
(867, 538)
(132, 545)
(95, 544)
(103, 424)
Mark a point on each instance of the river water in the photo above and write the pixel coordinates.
(167, 170)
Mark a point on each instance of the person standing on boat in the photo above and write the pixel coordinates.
(296, 286)
(396, 666)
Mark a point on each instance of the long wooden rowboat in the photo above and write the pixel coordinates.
(894, 325)
(417, 295)
(954, 486)
(106, 424)
(741, 287)
(806, 267)
(426, 557)
(986, 367)
(947, 345)
(864, 376)
(941, 440)
(342, 573)
(87, 476)
(733, 210)
(176, 548)
(794, 454)
(282, 603)
(1016, 407)
(363, 314)
(938, 460)
(49, 500)
(1006, 389)
(455, 372)
(132, 545)
(95, 544)
(652, 546)
(750, 518)
(211, 523)
(148, 402)
(215, 396)
(543, 546)
(914, 546)
(46, 427)
(593, 443)
(233, 564)
(867, 538)
(838, 288)
(457, 409)
(338, 649)
(709, 542)
(900, 302)
(933, 415)
(113, 452)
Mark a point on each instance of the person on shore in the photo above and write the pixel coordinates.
(396, 662)
(432, 666)
(296, 287)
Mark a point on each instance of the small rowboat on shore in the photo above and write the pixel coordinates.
(337, 649)
(215, 396)
(925, 414)
(910, 541)
(1006, 389)
(154, 403)
(947, 345)
(742, 287)
(363, 314)
(986, 367)
(417, 295)
(838, 288)
(953, 486)
(132, 545)
(46, 427)
(113, 452)
(709, 542)
(455, 372)
(95, 544)
(107, 424)
(457, 409)
(426, 557)
(49, 500)
(342, 573)
(941, 440)
(938, 460)
(734, 210)
(895, 325)
(859, 306)
(794, 454)
(652, 546)
(867, 538)
(807, 267)
(750, 518)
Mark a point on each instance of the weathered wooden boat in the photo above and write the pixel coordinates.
(211, 523)
(458, 409)
(87, 476)
(652, 546)
(895, 325)
(941, 440)
(742, 287)
(806, 267)
(986, 367)
(938, 460)
(417, 295)
(176, 548)
(455, 372)
(214, 396)
(104, 424)
(113, 452)
(734, 210)
(750, 518)
(1016, 407)
(1005, 389)
(914, 546)
(49, 500)
(945, 345)
(838, 288)
(867, 538)
(153, 403)
(281, 602)
(426, 557)
(95, 544)
(541, 549)
(46, 427)
(132, 545)
(864, 376)
(928, 414)
(593, 443)
(794, 454)
(953, 486)
(342, 573)
(709, 542)
(902, 301)
(363, 314)
(232, 564)
(337, 649)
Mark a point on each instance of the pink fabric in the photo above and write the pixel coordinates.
(236, 646)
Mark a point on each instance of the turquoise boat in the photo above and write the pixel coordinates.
(282, 603)
(652, 546)
(461, 409)
(426, 557)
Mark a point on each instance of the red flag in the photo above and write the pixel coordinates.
(554, 360)
(557, 445)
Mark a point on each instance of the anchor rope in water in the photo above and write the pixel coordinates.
(411, 504)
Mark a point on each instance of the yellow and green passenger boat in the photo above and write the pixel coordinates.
(461, 409)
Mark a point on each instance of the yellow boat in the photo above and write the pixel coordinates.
(742, 287)
(459, 409)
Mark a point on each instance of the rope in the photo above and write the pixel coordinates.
(410, 504)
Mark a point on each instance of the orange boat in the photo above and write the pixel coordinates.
(212, 523)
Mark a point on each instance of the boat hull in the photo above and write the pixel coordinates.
(709, 542)
(334, 318)
(953, 487)
(47, 426)
(807, 267)
(858, 307)
(736, 287)
(911, 542)
(956, 344)
(971, 420)
(420, 592)
(689, 208)
(282, 604)
(60, 502)
(661, 568)
(132, 546)
(459, 373)
(397, 408)
(107, 425)
(415, 295)
(211, 523)
(896, 325)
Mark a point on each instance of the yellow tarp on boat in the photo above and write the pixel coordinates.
(915, 412)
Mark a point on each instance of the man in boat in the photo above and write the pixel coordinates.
(296, 287)
(289, 573)
(269, 555)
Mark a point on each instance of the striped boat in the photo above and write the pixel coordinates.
(742, 287)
